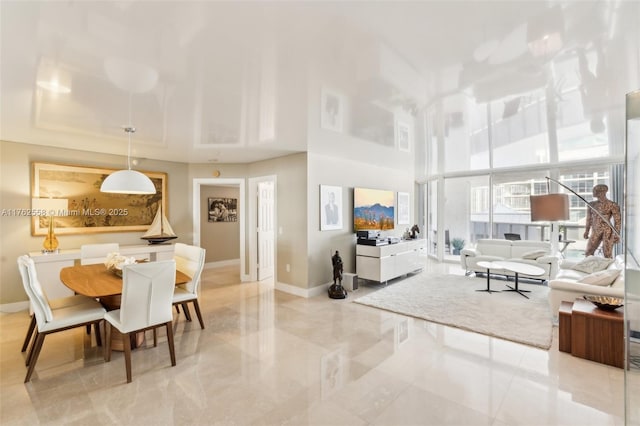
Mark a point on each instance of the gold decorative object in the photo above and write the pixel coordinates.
(50, 207)
(607, 303)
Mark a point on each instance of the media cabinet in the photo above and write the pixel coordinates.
(386, 262)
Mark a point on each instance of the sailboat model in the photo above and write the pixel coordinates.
(160, 230)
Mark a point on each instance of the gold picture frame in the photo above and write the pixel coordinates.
(89, 210)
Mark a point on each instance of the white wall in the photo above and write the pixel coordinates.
(324, 170)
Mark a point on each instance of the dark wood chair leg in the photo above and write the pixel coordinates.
(27, 338)
(196, 306)
(172, 350)
(185, 308)
(35, 353)
(177, 308)
(107, 337)
(155, 338)
(126, 340)
(30, 351)
(89, 329)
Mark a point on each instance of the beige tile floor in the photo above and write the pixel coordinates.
(270, 358)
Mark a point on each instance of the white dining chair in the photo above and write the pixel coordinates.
(49, 320)
(147, 293)
(96, 253)
(190, 261)
(63, 302)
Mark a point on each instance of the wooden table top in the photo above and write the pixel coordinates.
(97, 281)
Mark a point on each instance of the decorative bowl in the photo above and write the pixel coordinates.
(606, 303)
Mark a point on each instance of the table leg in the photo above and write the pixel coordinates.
(488, 289)
(517, 290)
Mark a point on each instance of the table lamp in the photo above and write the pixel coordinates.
(53, 207)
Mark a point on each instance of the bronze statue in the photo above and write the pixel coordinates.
(336, 291)
(600, 231)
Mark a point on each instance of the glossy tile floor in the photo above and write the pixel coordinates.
(269, 358)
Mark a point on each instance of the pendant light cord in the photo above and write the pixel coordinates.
(129, 129)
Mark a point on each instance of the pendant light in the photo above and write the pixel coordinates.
(128, 181)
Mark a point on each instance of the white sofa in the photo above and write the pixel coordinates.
(565, 286)
(490, 250)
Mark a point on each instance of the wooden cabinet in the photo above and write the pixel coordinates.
(48, 265)
(591, 333)
(383, 263)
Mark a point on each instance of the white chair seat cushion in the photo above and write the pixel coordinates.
(182, 295)
(74, 315)
(113, 317)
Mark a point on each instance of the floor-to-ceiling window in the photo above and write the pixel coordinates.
(487, 155)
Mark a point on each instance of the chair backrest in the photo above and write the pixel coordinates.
(96, 253)
(32, 286)
(512, 237)
(190, 261)
(147, 294)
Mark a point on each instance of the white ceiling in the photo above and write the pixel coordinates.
(206, 81)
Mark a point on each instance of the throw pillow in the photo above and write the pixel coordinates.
(534, 254)
(592, 264)
(606, 277)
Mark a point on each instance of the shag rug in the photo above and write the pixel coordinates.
(453, 300)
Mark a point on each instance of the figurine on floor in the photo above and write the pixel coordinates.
(336, 291)
(600, 231)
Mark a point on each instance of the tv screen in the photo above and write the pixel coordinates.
(373, 209)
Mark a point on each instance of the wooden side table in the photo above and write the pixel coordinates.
(591, 333)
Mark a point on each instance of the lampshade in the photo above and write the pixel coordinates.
(128, 182)
(549, 207)
(52, 206)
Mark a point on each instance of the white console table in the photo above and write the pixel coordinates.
(48, 265)
(383, 263)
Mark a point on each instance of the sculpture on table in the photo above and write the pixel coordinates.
(414, 230)
(336, 291)
(601, 232)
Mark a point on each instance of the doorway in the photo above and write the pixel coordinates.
(262, 219)
(197, 209)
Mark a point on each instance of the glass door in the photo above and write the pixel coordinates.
(632, 268)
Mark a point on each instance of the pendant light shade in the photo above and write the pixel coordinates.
(128, 181)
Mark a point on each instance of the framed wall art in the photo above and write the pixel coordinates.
(223, 209)
(403, 208)
(88, 209)
(330, 207)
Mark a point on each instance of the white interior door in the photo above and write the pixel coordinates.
(265, 229)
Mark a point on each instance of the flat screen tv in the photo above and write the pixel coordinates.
(373, 209)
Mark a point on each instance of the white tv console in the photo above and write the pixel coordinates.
(48, 265)
(383, 263)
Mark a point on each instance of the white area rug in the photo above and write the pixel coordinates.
(453, 300)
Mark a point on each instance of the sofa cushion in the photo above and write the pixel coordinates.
(569, 274)
(606, 277)
(534, 254)
(592, 264)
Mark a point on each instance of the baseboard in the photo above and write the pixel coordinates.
(302, 292)
(9, 308)
(221, 263)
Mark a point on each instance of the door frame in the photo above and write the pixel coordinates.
(197, 184)
(253, 225)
